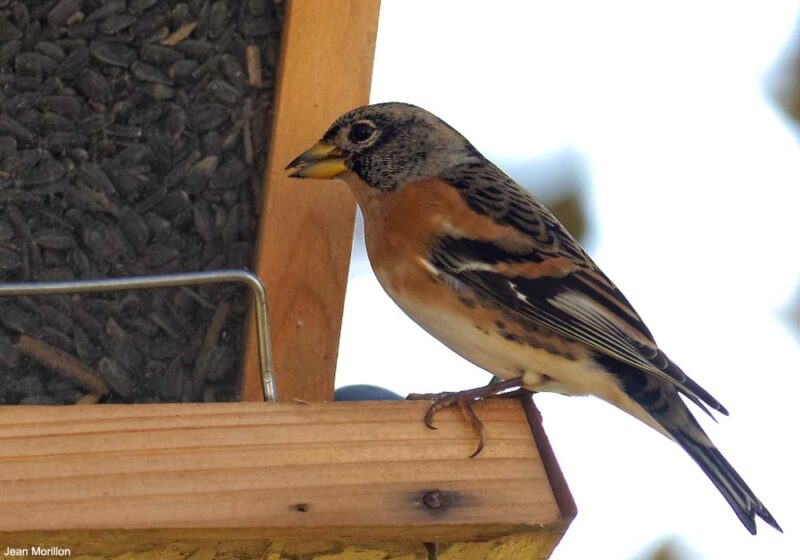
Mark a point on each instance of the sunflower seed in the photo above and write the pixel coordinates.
(57, 239)
(51, 50)
(34, 64)
(69, 106)
(147, 24)
(82, 30)
(206, 116)
(152, 200)
(8, 50)
(62, 11)
(8, 31)
(9, 355)
(73, 63)
(174, 203)
(116, 23)
(234, 72)
(146, 115)
(115, 376)
(182, 70)
(223, 91)
(6, 231)
(159, 92)
(196, 49)
(258, 27)
(147, 73)
(94, 86)
(94, 176)
(55, 318)
(125, 131)
(60, 141)
(47, 171)
(159, 255)
(230, 174)
(112, 53)
(200, 173)
(9, 260)
(134, 227)
(16, 319)
(158, 226)
(139, 6)
(107, 8)
(212, 143)
(160, 55)
(20, 102)
(218, 19)
(15, 129)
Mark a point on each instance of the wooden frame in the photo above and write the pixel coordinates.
(109, 479)
(306, 235)
(288, 479)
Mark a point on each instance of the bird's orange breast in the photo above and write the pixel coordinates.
(402, 224)
(400, 227)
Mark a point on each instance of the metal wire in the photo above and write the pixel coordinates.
(169, 281)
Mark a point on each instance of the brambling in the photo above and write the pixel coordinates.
(484, 267)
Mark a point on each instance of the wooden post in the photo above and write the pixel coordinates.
(306, 230)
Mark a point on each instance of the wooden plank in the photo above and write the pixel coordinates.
(557, 481)
(558, 484)
(208, 545)
(325, 473)
(306, 229)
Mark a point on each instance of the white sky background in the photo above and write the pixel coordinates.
(694, 181)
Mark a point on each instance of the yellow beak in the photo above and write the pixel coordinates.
(323, 161)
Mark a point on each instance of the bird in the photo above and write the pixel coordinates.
(480, 264)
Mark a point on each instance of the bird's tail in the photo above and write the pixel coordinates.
(743, 501)
(662, 408)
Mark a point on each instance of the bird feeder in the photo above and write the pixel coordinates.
(303, 477)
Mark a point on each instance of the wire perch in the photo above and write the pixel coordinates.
(169, 281)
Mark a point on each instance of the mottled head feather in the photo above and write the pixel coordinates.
(390, 144)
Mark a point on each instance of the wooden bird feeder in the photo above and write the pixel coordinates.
(304, 477)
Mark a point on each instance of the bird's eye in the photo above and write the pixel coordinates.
(361, 132)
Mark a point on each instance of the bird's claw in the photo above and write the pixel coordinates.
(477, 426)
(464, 400)
(439, 401)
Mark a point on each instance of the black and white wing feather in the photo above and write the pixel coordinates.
(551, 282)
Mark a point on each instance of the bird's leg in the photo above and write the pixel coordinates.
(465, 400)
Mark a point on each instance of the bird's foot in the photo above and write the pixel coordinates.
(465, 400)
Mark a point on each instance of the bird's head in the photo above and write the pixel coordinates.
(386, 145)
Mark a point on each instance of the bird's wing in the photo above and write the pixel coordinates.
(551, 282)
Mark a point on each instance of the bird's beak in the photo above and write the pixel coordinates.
(322, 161)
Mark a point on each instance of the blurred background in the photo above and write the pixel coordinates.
(665, 135)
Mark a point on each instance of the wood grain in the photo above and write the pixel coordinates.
(320, 472)
(306, 230)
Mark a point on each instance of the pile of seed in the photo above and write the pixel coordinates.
(132, 142)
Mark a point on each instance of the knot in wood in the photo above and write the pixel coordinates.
(434, 499)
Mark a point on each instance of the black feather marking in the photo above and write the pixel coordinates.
(482, 251)
(661, 401)
(479, 185)
(531, 300)
(732, 487)
(645, 389)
